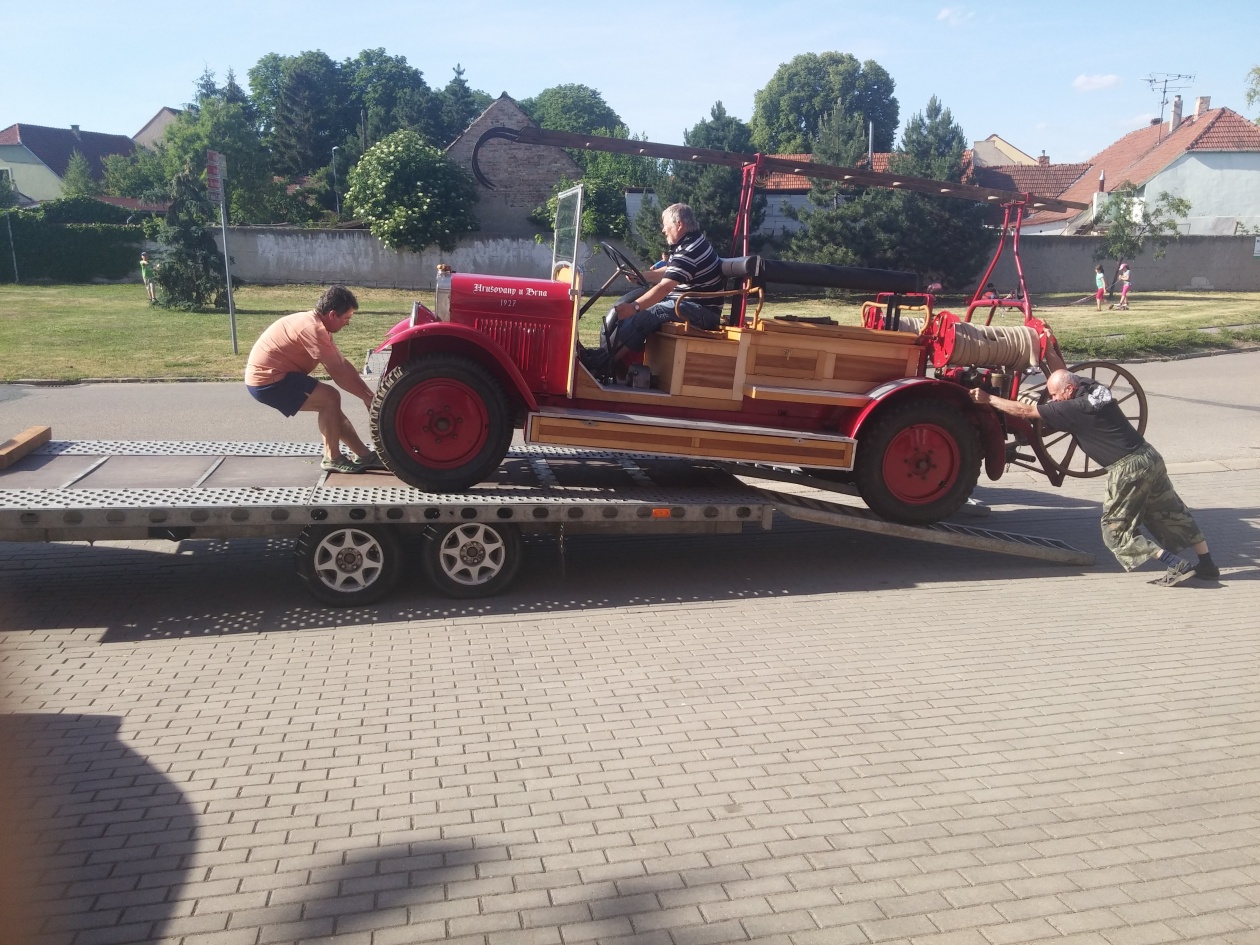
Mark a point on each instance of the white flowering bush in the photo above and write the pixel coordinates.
(411, 195)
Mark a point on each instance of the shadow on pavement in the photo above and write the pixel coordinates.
(104, 836)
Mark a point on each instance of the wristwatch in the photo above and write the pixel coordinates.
(636, 306)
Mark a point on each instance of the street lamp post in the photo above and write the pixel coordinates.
(336, 195)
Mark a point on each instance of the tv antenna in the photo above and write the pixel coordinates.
(1165, 82)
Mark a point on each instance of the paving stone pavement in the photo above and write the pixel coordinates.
(799, 736)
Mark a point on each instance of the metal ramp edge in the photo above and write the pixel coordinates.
(808, 509)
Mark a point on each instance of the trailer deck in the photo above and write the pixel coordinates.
(346, 525)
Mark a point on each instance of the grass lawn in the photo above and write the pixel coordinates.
(74, 332)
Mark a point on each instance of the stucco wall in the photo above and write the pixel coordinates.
(273, 256)
(31, 176)
(1223, 188)
(1066, 264)
(279, 255)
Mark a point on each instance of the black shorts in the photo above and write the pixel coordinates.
(286, 395)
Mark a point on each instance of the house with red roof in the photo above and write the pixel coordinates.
(1210, 158)
(35, 157)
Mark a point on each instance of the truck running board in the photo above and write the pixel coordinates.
(808, 509)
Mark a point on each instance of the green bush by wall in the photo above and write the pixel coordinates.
(66, 252)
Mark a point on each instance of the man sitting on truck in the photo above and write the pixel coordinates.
(692, 265)
(278, 374)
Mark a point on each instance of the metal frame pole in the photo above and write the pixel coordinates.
(8, 222)
(227, 268)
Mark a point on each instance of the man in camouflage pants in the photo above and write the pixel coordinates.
(1139, 492)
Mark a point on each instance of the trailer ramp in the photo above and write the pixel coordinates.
(809, 509)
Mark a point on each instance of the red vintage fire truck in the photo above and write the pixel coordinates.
(883, 406)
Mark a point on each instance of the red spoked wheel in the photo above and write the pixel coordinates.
(442, 422)
(917, 462)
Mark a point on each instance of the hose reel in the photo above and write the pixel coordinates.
(956, 343)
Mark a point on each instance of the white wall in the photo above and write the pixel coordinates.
(1223, 188)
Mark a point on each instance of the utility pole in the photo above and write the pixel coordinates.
(336, 194)
(1162, 82)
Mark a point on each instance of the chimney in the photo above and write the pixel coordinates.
(74, 130)
(1175, 118)
(1043, 160)
(1202, 104)
(1102, 181)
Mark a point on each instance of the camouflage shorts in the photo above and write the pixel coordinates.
(1140, 494)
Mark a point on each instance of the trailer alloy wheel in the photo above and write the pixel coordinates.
(346, 565)
(918, 461)
(472, 559)
(442, 422)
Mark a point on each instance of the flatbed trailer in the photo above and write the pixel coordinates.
(347, 528)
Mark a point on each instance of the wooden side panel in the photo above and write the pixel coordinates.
(585, 387)
(681, 440)
(830, 357)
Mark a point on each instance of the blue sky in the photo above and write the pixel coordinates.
(1059, 76)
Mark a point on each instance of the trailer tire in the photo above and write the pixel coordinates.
(348, 565)
(918, 462)
(472, 559)
(442, 422)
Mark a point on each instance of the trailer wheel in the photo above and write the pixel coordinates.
(348, 565)
(442, 422)
(918, 462)
(472, 559)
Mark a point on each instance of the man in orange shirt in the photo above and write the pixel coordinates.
(278, 374)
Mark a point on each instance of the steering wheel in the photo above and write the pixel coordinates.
(623, 264)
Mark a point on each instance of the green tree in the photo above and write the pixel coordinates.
(411, 195)
(572, 107)
(78, 180)
(713, 191)
(1128, 223)
(141, 174)
(313, 114)
(1253, 86)
(801, 93)
(8, 193)
(943, 239)
(388, 95)
(458, 105)
(224, 120)
(189, 270)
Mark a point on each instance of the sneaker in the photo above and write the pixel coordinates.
(1207, 572)
(369, 461)
(340, 464)
(1175, 575)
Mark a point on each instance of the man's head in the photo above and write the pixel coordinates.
(1062, 384)
(676, 220)
(336, 306)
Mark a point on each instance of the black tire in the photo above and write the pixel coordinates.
(442, 422)
(471, 559)
(348, 565)
(917, 462)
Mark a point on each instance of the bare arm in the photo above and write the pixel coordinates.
(1015, 408)
(346, 377)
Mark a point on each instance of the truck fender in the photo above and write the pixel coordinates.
(992, 436)
(408, 341)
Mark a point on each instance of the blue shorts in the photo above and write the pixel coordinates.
(286, 395)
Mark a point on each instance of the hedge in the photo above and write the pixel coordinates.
(67, 252)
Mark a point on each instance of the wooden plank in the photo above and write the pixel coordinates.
(796, 395)
(25, 443)
(587, 388)
(683, 439)
(850, 332)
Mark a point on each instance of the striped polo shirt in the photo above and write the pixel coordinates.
(695, 265)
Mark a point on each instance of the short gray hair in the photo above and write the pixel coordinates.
(681, 213)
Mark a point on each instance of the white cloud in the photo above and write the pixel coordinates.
(1092, 83)
(954, 16)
